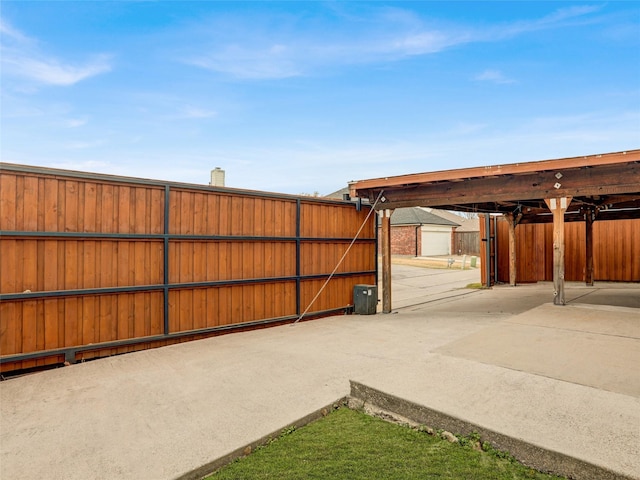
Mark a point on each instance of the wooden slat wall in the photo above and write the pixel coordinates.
(616, 252)
(466, 243)
(622, 262)
(256, 240)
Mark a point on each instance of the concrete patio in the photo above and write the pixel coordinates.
(564, 379)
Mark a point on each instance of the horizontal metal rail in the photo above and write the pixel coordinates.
(6, 297)
(171, 286)
(70, 352)
(173, 236)
(83, 235)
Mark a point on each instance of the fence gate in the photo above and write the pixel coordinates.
(96, 265)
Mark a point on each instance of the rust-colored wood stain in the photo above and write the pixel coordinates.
(265, 246)
(616, 251)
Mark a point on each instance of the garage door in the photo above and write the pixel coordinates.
(436, 242)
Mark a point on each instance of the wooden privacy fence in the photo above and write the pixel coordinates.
(616, 251)
(96, 265)
(466, 243)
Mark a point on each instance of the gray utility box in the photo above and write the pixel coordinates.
(365, 299)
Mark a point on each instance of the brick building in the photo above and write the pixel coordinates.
(418, 232)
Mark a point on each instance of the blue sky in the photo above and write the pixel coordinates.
(299, 97)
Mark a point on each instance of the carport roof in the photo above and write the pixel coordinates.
(607, 184)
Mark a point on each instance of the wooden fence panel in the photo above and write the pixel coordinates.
(317, 221)
(44, 265)
(616, 254)
(95, 265)
(49, 324)
(52, 204)
(199, 308)
(616, 251)
(466, 243)
(200, 261)
(321, 258)
(205, 213)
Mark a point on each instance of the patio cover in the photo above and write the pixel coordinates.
(587, 188)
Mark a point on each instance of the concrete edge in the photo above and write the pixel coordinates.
(389, 407)
(210, 467)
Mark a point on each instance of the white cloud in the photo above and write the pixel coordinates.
(8, 31)
(21, 57)
(253, 48)
(274, 61)
(52, 72)
(426, 42)
(75, 122)
(190, 111)
(560, 18)
(569, 13)
(82, 145)
(494, 76)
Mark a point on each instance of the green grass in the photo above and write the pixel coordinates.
(352, 445)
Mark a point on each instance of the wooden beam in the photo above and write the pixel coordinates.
(497, 170)
(596, 180)
(558, 206)
(511, 221)
(386, 260)
(589, 217)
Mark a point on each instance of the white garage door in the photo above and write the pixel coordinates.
(435, 241)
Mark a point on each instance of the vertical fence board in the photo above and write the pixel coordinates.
(106, 318)
(29, 326)
(90, 207)
(29, 211)
(8, 185)
(51, 324)
(70, 212)
(89, 319)
(18, 328)
(7, 328)
(70, 322)
(223, 225)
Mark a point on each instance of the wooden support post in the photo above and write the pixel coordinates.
(512, 248)
(589, 218)
(558, 207)
(386, 260)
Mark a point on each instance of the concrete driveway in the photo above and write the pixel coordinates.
(501, 359)
(414, 286)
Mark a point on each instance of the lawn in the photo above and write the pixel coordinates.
(347, 444)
